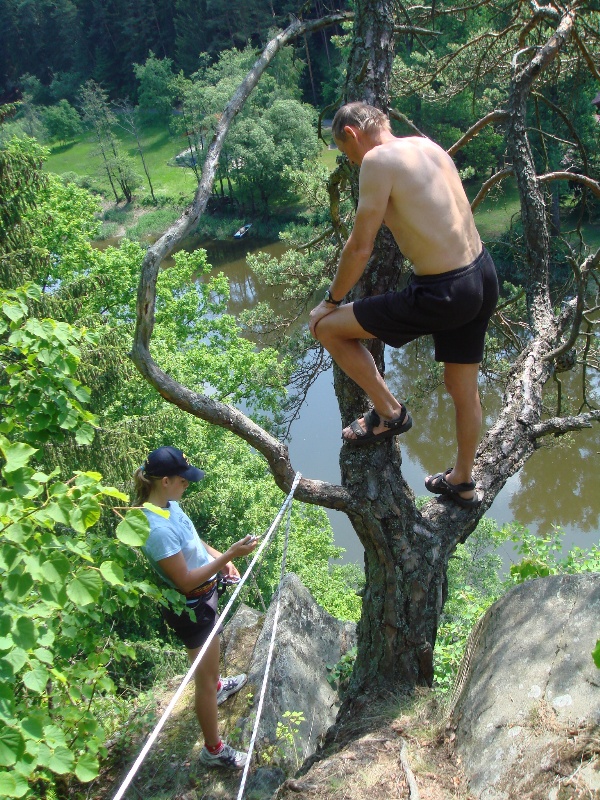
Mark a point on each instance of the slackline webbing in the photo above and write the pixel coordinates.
(263, 688)
(167, 712)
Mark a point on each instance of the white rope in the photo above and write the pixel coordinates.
(263, 689)
(152, 738)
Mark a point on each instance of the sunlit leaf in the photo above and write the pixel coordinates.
(12, 745)
(61, 761)
(85, 588)
(134, 528)
(87, 768)
(112, 573)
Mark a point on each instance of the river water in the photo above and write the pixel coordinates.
(557, 487)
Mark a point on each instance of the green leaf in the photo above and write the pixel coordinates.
(7, 701)
(7, 672)
(46, 656)
(33, 727)
(17, 658)
(596, 654)
(85, 434)
(134, 528)
(20, 480)
(112, 573)
(85, 515)
(24, 633)
(12, 745)
(87, 768)
(85, 588)
(61, 761)
(110, 491)
(56, 569)
(17, 455)
(12, 785)
(162, 512)
(36, 679)
(18, 586)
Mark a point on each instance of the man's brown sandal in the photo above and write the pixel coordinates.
(439, 485)
(395, 426)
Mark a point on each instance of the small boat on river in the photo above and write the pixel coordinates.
(242, 231)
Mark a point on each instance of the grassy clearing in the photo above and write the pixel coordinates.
(159, 147)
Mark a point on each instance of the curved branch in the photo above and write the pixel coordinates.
(494, 116)
(276, 453)
(217, 413)
(571, 176)
(561, 425)
(581, 274)
(557, 110)
(586, 55)
(496, 178)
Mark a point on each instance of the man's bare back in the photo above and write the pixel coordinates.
(427, 209)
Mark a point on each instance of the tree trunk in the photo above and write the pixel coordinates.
(406, 549)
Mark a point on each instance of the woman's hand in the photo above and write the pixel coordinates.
(242, 548)
(230, 571)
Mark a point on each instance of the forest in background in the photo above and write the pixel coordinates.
(78, 405)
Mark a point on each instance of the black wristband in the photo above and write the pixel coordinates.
(329, 299)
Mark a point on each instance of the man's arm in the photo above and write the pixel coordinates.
(375, 187)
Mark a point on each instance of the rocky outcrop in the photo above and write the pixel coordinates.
(308, 639)
(530, 702)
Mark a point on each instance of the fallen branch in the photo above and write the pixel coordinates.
(413, 789)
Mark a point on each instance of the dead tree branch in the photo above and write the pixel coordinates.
(201, 406)
(561, 425)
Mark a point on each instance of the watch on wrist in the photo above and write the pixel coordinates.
(329, 299)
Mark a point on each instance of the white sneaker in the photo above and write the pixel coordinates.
(230, 686)
(228, 757)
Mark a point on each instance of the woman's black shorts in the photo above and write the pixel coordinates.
(455, 307)
(193, 632)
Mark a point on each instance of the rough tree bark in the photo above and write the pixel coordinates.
(406, 549)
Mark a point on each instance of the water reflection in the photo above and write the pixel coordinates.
(556, 487)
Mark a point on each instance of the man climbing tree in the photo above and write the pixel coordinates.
(412, 184)
(407, 548)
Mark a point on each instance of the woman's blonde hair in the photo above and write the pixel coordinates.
(142, 485)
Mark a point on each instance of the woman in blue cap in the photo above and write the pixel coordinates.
(188, 564)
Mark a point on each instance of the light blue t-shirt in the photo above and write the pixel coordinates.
(169, 536)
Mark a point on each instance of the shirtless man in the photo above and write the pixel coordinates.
(412, 185)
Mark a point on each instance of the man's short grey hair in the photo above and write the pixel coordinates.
(358, 115)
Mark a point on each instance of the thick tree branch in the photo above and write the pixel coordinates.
(496, 178)
(205, 408)
(581, 275)
(494, 116)
(561, 425)
(571, 176)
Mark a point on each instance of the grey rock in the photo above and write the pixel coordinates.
(263, 783)
(531, 678)
(308, 639)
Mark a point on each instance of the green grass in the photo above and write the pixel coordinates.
(159, 147)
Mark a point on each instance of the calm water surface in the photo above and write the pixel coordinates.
(558, 486)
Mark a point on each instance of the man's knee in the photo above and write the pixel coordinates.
(460, 380)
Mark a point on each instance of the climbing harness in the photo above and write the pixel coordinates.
(190, 673)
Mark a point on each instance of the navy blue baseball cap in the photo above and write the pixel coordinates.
(168, 461)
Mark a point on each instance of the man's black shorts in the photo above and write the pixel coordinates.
(193, 632)
(455, 307)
